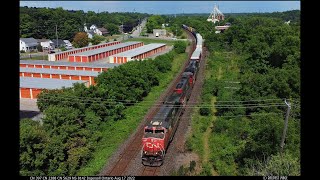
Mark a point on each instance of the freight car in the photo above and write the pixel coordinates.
(159, 132)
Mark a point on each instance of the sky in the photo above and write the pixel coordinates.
(169, 7)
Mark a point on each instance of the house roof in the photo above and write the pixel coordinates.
(60, 42)
(43, 40)
(67, 41)
(103, 30)
(90, 32)
(46, 83)
(30, 41)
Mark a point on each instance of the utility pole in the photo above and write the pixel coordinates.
(122, 31)
(57, 36)
(285, 125)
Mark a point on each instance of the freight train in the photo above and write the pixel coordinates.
(159, 132)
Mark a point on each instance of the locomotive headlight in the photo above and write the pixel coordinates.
(145, 152)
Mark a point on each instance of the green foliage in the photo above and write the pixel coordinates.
(63, 48)
(97, 39)
(39, 48)
(154, 22)
(80, 40)
(33, 143)
(180, 46)
(41, 22)
(262, 53)
(275, 165)
(204, 111)
(112, 28)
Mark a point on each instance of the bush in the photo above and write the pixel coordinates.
(22, 51)
(205, 111)
(180, 46)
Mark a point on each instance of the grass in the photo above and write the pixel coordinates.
(44, 57)
(115, 133)
(220, 67)
(148, 41)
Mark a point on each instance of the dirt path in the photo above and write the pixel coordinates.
(206, 148)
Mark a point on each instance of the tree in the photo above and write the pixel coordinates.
(39, 48)
(33, 143)
(112, 28)
(180, 46)
(275, 165)
(80, 40)
(96, 39)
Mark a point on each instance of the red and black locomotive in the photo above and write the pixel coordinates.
(159, 132)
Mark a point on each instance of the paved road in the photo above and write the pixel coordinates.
(136, 33)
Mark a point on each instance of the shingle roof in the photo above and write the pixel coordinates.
(139, 50)
(60, 41)
(43, 40)
(104, 49)
(30, 41)
(74, 64)
(103, 29)
(60, 71)
(46, 83)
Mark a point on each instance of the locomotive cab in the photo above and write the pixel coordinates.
(153, 149)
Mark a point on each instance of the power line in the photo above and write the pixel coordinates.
(115, 100)
(183, 106)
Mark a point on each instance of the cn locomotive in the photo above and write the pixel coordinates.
(159, 132)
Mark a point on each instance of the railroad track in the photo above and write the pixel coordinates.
(178, 143)
(150, 171)
(134, 143)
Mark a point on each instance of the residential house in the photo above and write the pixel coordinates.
(93, 27)
(159, 32)
(59, 43)
(101, 31)
(68, 44)
(28, 44)
(95, 30)
(90, 34)
(46, 44)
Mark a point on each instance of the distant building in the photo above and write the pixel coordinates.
(95, 30)
(159, 32)
(28, 44)
(90, 34)
(101, 31)
(59, 43)
(46, 44)
(68, 44)
(93, 27)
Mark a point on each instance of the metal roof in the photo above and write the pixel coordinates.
(199, 39)
(196, 53)
(63, 63)
(71, 50)
(105, 49)
(59, 71)
(140, 50)
(46, 83)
